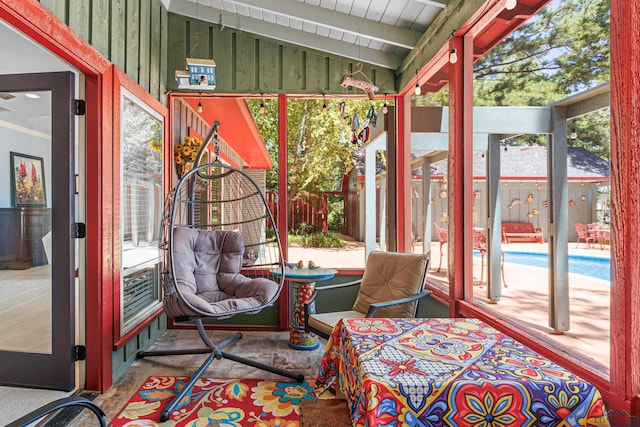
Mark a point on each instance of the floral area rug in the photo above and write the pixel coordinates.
(218, 402)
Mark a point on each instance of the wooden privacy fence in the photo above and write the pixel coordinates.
(312, 210)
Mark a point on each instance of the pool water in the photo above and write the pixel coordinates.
(597, 267)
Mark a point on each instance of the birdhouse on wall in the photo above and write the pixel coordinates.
(200, 75)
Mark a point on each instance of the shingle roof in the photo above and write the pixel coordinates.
(531, 162)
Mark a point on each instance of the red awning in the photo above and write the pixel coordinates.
(237, 128)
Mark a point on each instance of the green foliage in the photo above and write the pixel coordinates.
(319, 145)
(316, 240)
(335, 216)
(432, 99)
(562, 50)
(444, 217)
(305, 229)
(139, 129)
(593, 133)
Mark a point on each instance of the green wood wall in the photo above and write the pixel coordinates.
(150, 44)
(132, 34)
(250, 64)
(126, 355)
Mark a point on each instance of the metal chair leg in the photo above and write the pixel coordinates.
(56, 405)
(216, 353)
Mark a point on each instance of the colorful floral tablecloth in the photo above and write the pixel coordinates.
(450, 372)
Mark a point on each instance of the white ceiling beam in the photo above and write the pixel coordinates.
(383, 33)
(437, 3)
(285, 34)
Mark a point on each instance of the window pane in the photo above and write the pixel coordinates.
(141, 203)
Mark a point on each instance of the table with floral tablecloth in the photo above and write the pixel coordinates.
(450, 372)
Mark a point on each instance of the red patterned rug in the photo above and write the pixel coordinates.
(218, 402)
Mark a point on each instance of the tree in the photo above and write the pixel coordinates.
(320, 145)
(562, 50)
(142, 139)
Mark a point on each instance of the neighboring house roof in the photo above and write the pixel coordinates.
(518, 163)
(531, 163)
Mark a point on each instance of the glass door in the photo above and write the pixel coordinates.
(37, 313)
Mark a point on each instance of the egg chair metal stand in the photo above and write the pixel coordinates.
(222, 257)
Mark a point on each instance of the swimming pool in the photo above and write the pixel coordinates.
(597, 267)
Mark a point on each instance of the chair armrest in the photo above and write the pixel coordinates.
(375, 306)
(313, 296)
(339, 285)
(336, 286)
(56, 405)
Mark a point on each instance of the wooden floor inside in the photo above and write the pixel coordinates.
(25, 310)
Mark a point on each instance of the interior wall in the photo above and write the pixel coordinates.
(22, 143)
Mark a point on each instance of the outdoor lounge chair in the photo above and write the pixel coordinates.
(223, 257)
(583, 234)
(442, 238)
(599, 233)
(391, 286)
(480, 244)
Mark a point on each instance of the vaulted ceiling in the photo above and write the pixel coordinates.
(407, 36)
(379, 32)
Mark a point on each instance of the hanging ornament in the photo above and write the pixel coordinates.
(546, 204)
(433, 200)
(364, 135)
(355, 124)
(529, 215)
(354, 138)
(371, 112)
(366, 86)
(529, 198)
(346, 120)
(341, 107)
(372, 117)
(572, 203)
(535, 211)
(514, 202)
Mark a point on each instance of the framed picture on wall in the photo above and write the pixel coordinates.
(27, 181)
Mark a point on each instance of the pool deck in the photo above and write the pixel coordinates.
(526, 300)
(526, 297)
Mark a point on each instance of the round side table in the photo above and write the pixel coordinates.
(303, 282)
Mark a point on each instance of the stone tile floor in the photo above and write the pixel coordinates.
(266, 347)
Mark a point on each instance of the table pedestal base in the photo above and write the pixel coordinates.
(301, 340)
(298, 338)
